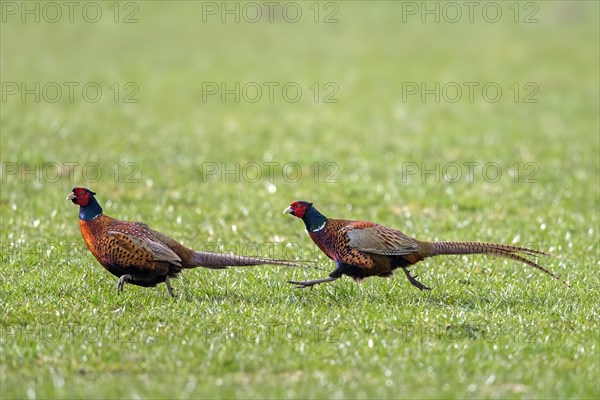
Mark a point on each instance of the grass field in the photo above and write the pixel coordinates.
(207, 128)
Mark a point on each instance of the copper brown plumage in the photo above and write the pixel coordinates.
(141, 256)
(362, 249)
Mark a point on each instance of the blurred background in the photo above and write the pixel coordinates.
(371, 87)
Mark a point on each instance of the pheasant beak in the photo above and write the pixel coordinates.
(289, 210)
(71, 196)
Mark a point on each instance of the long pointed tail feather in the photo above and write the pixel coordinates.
(209, 259)
(499, 250)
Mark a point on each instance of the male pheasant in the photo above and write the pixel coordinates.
(141, 256)
(362, 249)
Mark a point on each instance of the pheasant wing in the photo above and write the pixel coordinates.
(372, 238)
(137, 251)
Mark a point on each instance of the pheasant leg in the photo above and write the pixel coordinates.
(122, 280)
(305, 284)
(413, 281)
(169, 286)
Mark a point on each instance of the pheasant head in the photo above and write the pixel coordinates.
(298, 208)
(88, 206)
(304, 210)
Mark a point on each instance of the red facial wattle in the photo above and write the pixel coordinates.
(298, 209)
(83, 200)
(80, 196)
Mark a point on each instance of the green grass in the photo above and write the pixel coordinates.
(488, 329)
